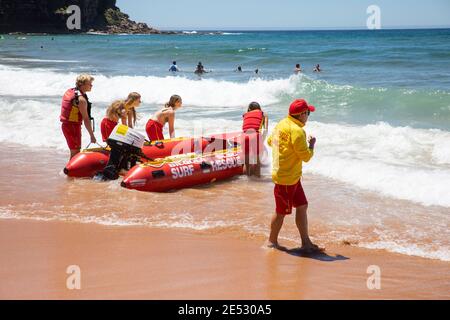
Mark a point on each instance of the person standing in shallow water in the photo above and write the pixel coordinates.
(174, 67)
(289, 150)
(200, 69)
(75, 110)
(254, 128)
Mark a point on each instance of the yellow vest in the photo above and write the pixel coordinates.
(289, 150)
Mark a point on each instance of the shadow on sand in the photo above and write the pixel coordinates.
(319, 255)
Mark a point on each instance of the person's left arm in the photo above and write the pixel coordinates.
(130, 119)
(301, 147)
(171, 116)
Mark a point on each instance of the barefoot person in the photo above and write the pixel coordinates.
(254, 127)
(75, 110)
(289, 150)
(131, 103)
(155, 125)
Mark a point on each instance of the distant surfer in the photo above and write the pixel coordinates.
(317, 68)
(174, 67)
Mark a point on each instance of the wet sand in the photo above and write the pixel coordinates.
(199, 243)
(151, 263)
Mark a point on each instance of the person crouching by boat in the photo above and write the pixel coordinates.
(289, 150)
(155, 125)
(75, 110)
(114, 112)
(254, 127)
(131, 103)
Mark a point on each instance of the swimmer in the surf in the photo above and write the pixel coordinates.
(174, 67)
(200, 69)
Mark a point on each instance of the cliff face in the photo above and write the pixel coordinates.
(50, 16)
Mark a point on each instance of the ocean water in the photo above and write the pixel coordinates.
(383, 99)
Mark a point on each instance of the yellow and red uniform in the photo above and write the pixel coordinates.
(289, 150)
(71, 119)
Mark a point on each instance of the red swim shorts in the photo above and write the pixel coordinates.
(72, 133)
(288, 197)
(154, 130)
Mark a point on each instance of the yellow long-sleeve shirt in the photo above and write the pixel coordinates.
(289, 150)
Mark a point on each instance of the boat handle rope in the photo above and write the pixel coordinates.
(96, 144)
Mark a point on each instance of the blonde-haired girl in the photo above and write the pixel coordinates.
(133, 101)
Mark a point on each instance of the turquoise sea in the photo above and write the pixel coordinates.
(401, 77)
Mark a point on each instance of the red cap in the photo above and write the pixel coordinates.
(298, 106)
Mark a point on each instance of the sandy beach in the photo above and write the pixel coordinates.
(183, 245)
(150, 263)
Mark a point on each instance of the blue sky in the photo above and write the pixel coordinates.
(284, 14)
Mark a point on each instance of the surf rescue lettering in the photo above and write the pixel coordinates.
(183, 171)
(223, 164)
(186, 167)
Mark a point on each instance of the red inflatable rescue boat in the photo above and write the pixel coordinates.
(88, 162)
(190, 170)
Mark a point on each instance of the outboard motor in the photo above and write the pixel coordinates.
(126, 148)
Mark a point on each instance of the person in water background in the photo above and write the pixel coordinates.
(174, 67)
(254, 127)
(155, 124)
(297, 68)
(317, 68)
(200, 69)
(131, 103)
(114, 112)
(289, 150)
(75, 110)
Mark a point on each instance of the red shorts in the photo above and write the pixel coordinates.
(154, 130)
(72, 133)
(106, 127)
(288, 197)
